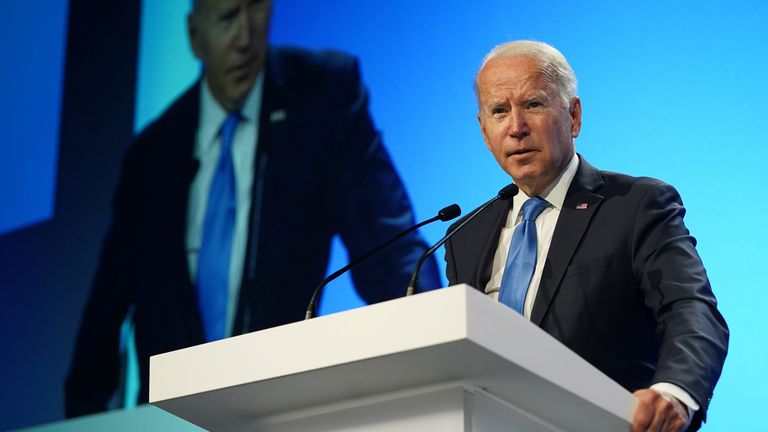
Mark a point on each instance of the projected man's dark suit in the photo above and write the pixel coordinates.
(623, 285)
(320, 169)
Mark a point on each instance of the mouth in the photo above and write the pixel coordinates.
(519, 152)
(244, 67)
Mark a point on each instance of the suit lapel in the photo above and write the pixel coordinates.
(172, 139)
(580, 205)
(485, 258)
(274, 117)
(179, 138)
(274, 120)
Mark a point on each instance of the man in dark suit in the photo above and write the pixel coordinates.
(304, 162)
(601, 261)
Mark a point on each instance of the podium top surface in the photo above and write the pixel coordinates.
(451, 334)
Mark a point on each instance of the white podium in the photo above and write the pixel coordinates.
(442, 361)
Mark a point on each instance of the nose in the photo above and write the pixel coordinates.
(518, 125)
(245, 32)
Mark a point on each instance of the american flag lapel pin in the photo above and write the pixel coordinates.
(581, 206)
(277, 116)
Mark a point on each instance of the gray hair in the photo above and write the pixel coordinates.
(556, 69)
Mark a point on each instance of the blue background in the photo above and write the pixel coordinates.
(32, 51)
(673, 90)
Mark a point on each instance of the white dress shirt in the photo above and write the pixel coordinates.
(554, 194)
(207, 149)
(545, 228)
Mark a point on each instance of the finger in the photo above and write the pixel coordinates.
(659, 418)
(673, 424)
(675, 415)
(644, 411)
(656, 412)
(667, 414)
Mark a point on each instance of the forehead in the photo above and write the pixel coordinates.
(512, 78)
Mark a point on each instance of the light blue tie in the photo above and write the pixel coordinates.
(521, 260)
(218, 230)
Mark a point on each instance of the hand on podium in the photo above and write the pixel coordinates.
(660, 412)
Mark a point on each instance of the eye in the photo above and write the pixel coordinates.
(498, 110)
(534, 104)
(228, 16)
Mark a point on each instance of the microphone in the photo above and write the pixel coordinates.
(445, 214)
(505, 193)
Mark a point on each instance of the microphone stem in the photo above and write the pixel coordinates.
(312, 303)
(414, 283)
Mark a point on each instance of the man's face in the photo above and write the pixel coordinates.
(524, 122)
(230, 38)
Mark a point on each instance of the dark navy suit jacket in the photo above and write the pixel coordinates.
(320, 169)
(622, 286)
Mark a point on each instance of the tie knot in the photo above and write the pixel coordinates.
(228, 127)
(533, 208)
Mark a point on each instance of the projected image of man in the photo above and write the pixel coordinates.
(227, 203)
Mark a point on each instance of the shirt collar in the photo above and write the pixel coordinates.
(555, 192)
(212, 114)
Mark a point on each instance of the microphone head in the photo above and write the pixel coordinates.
(449, 212)
(508, 191)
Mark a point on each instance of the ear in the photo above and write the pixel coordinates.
(193, 31)
(483, 131)
(575, 113)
